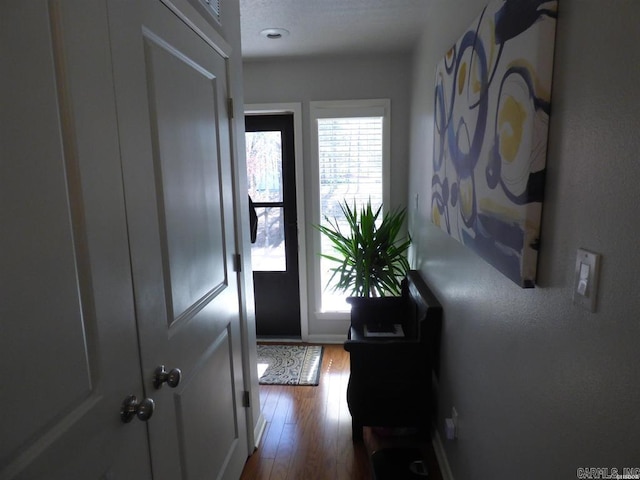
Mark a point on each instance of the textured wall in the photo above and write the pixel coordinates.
(542, 387)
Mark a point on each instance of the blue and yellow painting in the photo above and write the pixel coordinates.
(492, 105)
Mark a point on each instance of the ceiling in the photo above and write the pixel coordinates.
(330, 27)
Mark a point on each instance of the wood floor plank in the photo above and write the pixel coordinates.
(258, 468)
(286, 452)
(308, 431)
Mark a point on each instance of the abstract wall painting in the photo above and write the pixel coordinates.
(492, 104)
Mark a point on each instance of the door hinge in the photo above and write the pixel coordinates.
(237, 262)
(246, 399)
(230, 106)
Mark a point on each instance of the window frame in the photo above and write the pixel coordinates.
(343, 109)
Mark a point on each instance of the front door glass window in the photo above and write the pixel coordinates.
(264, 175)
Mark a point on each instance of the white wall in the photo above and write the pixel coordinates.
(542, 387)
(341, 78)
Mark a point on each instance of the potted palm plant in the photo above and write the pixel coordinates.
(369, 258)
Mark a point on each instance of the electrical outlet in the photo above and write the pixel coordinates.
(454, 418)
(449, 429)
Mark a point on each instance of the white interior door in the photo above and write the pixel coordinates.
(175, 135)
(68, 346)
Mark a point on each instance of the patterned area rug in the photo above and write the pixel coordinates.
(290, 364)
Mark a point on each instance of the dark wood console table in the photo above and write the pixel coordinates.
(390, 381)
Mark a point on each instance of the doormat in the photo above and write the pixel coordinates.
(290, 364)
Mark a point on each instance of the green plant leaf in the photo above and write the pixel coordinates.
(369, 258)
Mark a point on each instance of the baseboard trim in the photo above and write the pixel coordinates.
(258, 431)
(328, 339)
(441, 455)
(278, 339)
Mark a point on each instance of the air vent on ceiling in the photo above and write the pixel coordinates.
(213, 7)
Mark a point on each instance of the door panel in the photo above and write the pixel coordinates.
(68, 326)
(274, 256)
(187, 174)
(171, 95)
(200, 395)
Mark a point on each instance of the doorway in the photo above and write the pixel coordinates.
(271, 176)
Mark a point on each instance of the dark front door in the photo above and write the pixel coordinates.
(274, 255)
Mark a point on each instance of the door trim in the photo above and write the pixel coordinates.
(296, 110)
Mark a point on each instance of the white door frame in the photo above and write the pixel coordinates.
(296, 110)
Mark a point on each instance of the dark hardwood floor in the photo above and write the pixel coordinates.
(308, 431)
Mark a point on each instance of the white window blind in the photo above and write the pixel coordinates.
(350, 152)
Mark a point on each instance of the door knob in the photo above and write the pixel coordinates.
(132, 408)
(172, 378)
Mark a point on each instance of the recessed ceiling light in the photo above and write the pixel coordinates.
(274, 33)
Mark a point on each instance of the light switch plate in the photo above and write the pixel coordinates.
(585, 284)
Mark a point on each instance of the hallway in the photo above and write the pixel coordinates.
(308, 432)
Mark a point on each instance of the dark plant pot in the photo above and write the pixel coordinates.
(376, 309)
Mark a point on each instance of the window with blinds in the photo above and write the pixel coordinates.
(352, 158)
(350, 162)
